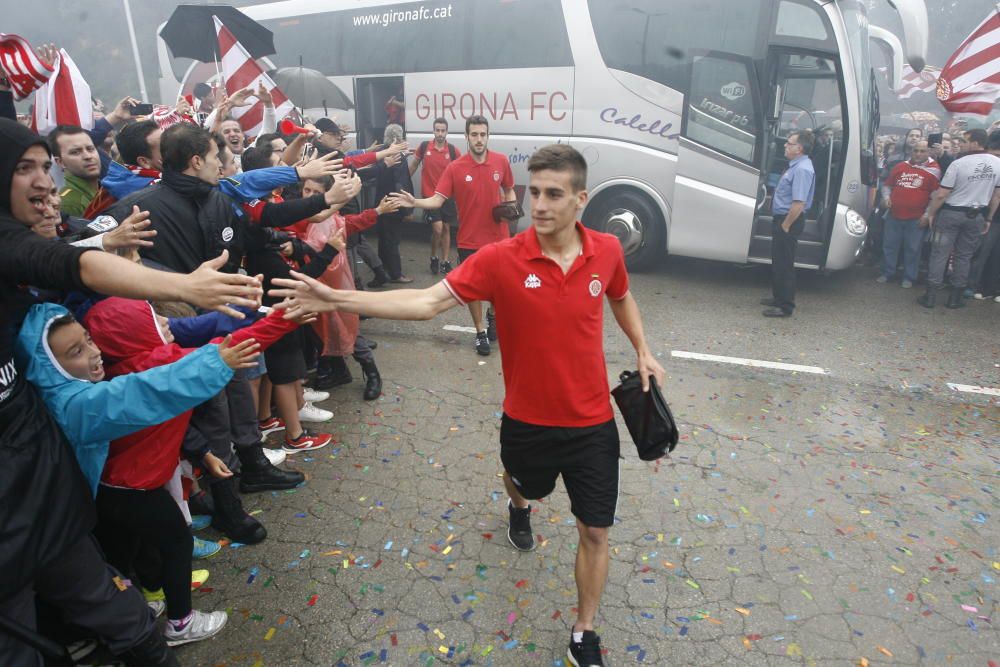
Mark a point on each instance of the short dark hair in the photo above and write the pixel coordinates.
(476, 120)
(325, 182)
(133, 141)
(256, 157)
(978, 136)
(806, 140)
(440, 119)
(266, 139)
(201, 89)
(183, 141)
(993, 143)
(59, 322)
(561, 157)
(62, 131)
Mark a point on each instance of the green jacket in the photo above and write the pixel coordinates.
(77, 195)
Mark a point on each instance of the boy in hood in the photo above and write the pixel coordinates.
(62, 361)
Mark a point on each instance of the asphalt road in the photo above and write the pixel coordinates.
(840, 517)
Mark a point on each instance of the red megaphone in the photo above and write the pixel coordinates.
(288, 127)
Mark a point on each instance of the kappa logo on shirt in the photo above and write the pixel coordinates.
(532, 281)
(468, 178)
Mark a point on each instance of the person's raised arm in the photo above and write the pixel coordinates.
(407, 200)
(204, 287)
(307, 295)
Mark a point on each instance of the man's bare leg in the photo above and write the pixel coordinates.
(516, 499)
(436, 247)
(591, 573)
(445, 242)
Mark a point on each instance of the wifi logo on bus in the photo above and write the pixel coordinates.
(733, 91)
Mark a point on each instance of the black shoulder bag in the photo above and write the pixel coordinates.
(647, 416)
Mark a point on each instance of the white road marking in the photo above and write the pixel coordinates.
(755, 363)
(975, 389)
(455, 327)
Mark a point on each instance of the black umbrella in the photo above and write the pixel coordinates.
(190, 32)
(309, 89)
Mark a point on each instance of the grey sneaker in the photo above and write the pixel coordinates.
(157, 607)
(519, 529)
(882, 279)
(200, 625)
(906, 284)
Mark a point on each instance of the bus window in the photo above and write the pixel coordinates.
(795, 20)
(518, 33)
(721, 110)
(661, 36)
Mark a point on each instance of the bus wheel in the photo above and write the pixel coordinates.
(634, 221)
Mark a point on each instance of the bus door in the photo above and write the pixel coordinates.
(371, 98)
(805, 94)
(718, 160)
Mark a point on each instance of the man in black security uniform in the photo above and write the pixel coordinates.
(46, 509)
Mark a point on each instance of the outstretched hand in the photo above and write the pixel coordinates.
(242, 355)
(207, 287)
(303, 295)
(132, 233)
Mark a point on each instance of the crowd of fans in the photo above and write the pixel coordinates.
(937, 212)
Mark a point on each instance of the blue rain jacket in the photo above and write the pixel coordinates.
(92, 414)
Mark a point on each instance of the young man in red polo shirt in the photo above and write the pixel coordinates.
(477, 181)
(547, 284)
(435, 158)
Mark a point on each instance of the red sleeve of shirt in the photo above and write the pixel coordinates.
(618, 286)
(472, 280)
(444, 185)
(508, 176)
(265, 331)
(360, 160)
(359, 222)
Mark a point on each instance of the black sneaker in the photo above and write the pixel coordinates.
(482, 344)
(586, 653)
(446, 267)
(491, 326)
(519, 529)
(435, 265)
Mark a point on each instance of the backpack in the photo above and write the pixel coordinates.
(452, 151)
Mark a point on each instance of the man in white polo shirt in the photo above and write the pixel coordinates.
(967, 199)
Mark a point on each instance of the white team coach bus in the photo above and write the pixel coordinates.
(681, 107)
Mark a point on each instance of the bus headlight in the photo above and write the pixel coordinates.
(855, 223)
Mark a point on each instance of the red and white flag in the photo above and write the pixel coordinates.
(23, 69)
(915, 82)
(241, 71)
(64, 99)
(969, 83)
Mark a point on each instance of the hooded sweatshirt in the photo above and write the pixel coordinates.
(92, 413)
(130, 340)
(45, 504)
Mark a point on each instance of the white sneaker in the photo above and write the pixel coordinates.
(158, 607)
(997, 299)
(310, 413)
(200, 625)
(314, 395)
(275, 456)
(978, 296)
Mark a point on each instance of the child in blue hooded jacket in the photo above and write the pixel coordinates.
(65, 367)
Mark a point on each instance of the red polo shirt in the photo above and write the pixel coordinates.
(433, 162)
(550, 325)
(476, 188)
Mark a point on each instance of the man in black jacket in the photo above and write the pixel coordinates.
(46, 508)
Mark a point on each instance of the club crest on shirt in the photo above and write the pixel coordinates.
(532, 281)
(496, 176)
(227, 234)
(595, 287)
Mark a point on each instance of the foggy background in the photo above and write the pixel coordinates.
(96, 36)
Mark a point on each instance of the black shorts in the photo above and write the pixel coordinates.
(447, 212)
(587, 458)
(466, 253)
(286, 361)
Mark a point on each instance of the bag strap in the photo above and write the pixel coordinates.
(453, 152)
